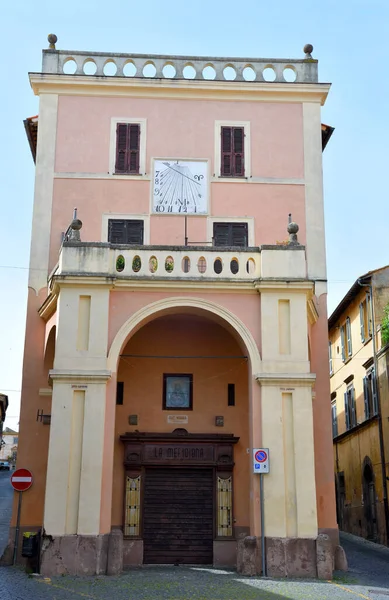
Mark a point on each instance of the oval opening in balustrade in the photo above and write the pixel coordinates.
(189, 72)
(234, 266)
(89, 67)
(250, 266)
(110, 68)
(218, 266)
(120, 263)
(69, 66)
(186, 264)
(129, 69)
(136, 264)
(209, 72)
(249, 74)
(169, 264)
(202, 264)
(229, 73)
(169, 71)
(289, 74)
(269, 73)
(149, 70)
(153, 264)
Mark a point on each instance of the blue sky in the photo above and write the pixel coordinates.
(350, 40)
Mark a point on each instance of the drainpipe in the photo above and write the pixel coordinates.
(380, 429)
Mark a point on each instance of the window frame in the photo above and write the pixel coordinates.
(346, 340)
(217, 167)
(142, 122)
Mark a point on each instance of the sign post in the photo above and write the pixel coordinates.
(21, 481)
(261, 466)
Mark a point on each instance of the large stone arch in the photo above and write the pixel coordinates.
(155, 309)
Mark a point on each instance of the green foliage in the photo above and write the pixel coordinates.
(120, 263)
(385, 326)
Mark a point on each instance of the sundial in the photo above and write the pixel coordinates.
(180, 187)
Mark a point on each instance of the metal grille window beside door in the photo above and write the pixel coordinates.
(131, 526)
(224, 507)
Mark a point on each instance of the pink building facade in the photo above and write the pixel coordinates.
(182, 322)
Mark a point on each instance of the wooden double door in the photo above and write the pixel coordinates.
(178, 515)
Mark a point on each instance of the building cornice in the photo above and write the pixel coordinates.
(73, 375)
(84, 85)
(286, 380)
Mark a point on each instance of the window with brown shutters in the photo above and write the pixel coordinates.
(230, 234)
(125, 231)
(232, 152)
(127, 148)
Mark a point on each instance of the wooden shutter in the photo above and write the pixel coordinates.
(334, 420)
(239, 234)
(369, 315)
(230, 234)
(134, 148)
(226, 151)
(374, 392)
(362, 321)
(121, 165)
(342, 341)
(134, 232)
(221, 234)
(366, 397)
(348, 332)
(127, 148)
(232, 152)
(238, 149)
(116, 231)
(125, 231)
(346, 411)
(353, 407)
(330, 356)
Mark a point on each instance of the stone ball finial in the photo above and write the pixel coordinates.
(308, 49)
(292, 230)
(52, 39)
(293, 227)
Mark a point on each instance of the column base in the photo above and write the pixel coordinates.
(287, 557)
(74, 555)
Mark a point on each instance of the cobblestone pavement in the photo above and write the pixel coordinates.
(368, 578)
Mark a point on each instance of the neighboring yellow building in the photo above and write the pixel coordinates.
(360, 406)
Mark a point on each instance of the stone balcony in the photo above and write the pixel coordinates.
(191, 263)
(146, 66)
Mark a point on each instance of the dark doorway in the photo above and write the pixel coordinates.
(369, 501)
(178, 516)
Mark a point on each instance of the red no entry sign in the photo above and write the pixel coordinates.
(21, 480)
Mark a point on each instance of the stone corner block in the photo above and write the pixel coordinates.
(301, 557)
(247, 556)
(115, 552)
(341, 563)
(276, 557)
(324, 557)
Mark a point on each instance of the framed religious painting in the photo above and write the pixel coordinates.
(177, 391)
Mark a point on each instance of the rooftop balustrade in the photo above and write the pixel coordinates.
(146, 66)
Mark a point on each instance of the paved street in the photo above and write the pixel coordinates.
(368, 578)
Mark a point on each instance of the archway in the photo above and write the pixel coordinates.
(369, 498)
(204, 347)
